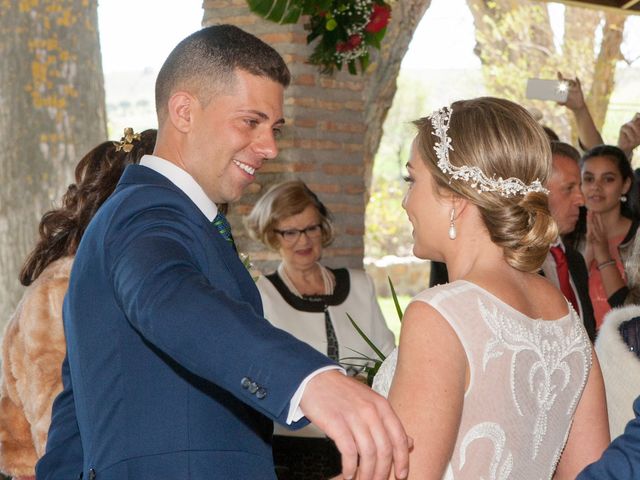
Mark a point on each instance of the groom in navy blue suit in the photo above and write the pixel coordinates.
(621, 460)
(171, 371)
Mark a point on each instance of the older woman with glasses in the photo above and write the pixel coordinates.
(311, 302)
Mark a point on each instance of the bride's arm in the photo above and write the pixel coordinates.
(428, 388)
(589, 434)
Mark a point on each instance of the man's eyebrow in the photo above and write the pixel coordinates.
(264, 116)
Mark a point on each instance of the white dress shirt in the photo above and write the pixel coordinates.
(194, 191)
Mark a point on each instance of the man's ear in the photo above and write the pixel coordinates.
(180, 107)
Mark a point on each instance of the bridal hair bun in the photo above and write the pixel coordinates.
(524, 229)
(508, 157)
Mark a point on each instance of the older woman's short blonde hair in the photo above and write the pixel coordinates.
(282, 201)
(503, 140)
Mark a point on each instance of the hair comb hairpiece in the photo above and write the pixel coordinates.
(505, 187)
(126, 142)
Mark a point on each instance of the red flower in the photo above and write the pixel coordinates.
(380, 15)
(354, 42)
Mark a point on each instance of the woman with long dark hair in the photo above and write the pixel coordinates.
(33, 345)
(605, 236)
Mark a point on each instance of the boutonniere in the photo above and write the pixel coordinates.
(246, 261)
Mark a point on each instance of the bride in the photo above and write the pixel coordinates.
(494, 377)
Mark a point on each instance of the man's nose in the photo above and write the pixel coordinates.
(266, 146)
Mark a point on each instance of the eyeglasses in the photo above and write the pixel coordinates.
(291, 235)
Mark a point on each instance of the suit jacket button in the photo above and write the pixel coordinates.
(245, 382)
(261, 393)
(92, 474)
(253, 387)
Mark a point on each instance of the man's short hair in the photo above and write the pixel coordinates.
(208, 58)
(566, 150)
(553, 136)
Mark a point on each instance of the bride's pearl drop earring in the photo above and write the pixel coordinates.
(452, 226)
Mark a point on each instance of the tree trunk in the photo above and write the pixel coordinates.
(381, 84)
(604, 69)
(52, 110)
(515, 41)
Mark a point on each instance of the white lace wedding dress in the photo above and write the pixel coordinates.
(526, 377)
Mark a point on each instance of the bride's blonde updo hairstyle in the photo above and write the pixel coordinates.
(503, 140)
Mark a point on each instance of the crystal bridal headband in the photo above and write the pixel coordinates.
(505, 187)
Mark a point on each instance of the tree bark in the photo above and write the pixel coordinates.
(52, 110)
(380, 87)
(604, 69)
(514, 41)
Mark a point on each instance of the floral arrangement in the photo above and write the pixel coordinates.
(345, 30)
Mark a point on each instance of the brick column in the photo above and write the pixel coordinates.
(334, 125)
(322, 142)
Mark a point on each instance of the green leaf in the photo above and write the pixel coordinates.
(280, 11)
(364, 61)
(361, 356)
(395, 299)
(366, 339)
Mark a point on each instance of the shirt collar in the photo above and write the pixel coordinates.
(185, 182)
(558, 243)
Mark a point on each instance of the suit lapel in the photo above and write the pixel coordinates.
(141, 175)
(236, 268)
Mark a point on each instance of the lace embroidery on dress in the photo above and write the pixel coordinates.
(551, 347)
(526, 378)
(494, 433)
(384, 376)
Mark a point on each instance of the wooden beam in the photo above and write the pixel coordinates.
(633, 7)
(630, 4)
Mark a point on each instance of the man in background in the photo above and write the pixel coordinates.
(564, 266)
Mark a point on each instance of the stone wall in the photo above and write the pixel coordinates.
(409, 275)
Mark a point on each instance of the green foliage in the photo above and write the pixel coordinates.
(282, 11)
(373, 364)
(388, 231)
(388, 307)
(394, 296)
(342, 29)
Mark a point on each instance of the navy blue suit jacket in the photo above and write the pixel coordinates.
(621, 461)
(171, 371)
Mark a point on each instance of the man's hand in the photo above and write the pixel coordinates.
(361, 423)
(587, 132)
(629, 137)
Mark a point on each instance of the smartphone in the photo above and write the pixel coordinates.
(543, 89)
